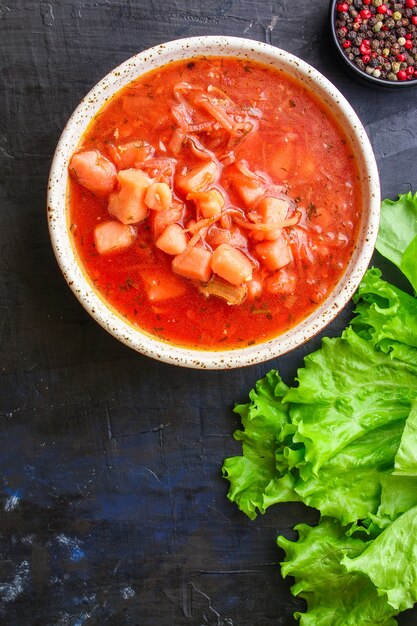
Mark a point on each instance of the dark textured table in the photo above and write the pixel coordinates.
(113, 510)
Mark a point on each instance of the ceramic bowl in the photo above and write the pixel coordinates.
(59, 220)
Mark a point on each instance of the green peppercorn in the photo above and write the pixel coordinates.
(377, 3)
(376, 73)
(377, 27)
(395, 66)
(385, 52)
(396, 16)
(401, 40)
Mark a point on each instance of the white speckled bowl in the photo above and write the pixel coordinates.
(59, 220)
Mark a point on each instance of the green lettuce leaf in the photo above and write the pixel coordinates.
(409, 262)
(398, 234)
(346, 390)
(390, 562)
(334, 596)
(405, 462)
(349, 486)
(387, 317)
(344, 441)
(330, 441)
(398, 495)
(263, 419)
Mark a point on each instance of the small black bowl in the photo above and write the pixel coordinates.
(365, 78)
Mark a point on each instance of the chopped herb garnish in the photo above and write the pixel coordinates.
(128, 284)
(311, 210)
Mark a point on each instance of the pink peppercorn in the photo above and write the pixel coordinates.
(400, 57)
(410, 4)
(414, 20)
(365, 14)
(364, 49)
(367, 2)
(346, 44)
(342, 7)
(402, 75)
(408, 44)
(382, 9)
(366, 58)
(410, 70)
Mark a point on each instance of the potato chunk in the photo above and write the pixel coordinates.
(199, 178)
(194, 264)
(231, 264)
(158, 196)
(128, 203)
(113, 236)
(274, 254)
(93, 171)
(173, 240)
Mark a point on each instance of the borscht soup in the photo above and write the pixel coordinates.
(214, 202)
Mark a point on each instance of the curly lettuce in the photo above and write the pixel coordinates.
(343, 440)
(334, 596)
(397, 236)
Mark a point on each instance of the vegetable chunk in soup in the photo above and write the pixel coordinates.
(214, 202)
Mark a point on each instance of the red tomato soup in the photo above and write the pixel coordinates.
(214, 203)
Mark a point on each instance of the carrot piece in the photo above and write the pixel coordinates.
(173, 240)
(126, 155)
(231, 264)
(113, 236)
(274, 254)
(194, 263)
(198, 178)
(93, 171)
(158, 196)
(128, 203)
(209, 202)
(160, 287)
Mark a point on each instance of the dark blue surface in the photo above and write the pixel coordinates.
(113, 510)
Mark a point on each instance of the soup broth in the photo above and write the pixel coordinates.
(214, 203)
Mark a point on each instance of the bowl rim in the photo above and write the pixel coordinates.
(381, 83)
(76, 277)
